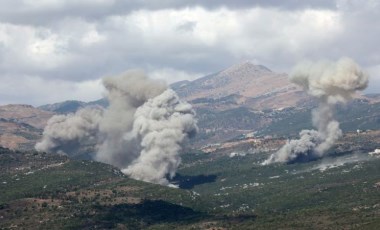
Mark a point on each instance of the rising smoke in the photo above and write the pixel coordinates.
(66, 134)
(331, 83)
(125, 93)
(141, 131)
(160, 126)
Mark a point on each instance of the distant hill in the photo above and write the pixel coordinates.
(372, 98)
(25, 114)
(21, 125)
(72, 106)
(63, 107)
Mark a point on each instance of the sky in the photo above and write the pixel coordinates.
(56, 50)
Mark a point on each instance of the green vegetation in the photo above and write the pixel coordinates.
(353, 116)
(222, 125)
(46, 191)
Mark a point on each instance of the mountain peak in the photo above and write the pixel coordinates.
(245, 66)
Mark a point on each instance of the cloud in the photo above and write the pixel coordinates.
(76, 41)
(46, 11)
(36, 91)
(78, 49)
(172, 75)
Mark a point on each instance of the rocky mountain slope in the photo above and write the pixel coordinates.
(244, 84)
(225, 189)
(248, 98)
(25, 114)
(21, 125)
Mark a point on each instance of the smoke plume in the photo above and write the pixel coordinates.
(65, 134)
(125, 93)
(141, 131)
(331, 83)
(160, 125)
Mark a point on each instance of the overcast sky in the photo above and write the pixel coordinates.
(55, 50)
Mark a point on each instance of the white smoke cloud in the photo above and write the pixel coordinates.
(67, 133)
(140, 132)
(160, 125)
(125, 93)
(330, 83)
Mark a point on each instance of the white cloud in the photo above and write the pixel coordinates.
(172, 75)
(80, 41)
(28, 49)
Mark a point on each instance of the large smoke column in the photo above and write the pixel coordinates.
(141, 131)
(331, 83)
(125, 93)
(160, 125)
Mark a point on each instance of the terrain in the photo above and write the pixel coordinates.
(217, 190)
(21, 126)
(242, 99)
(244, 84)
(245, 113)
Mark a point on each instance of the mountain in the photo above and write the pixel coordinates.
(63, 107)
(25, 114)
(241, 99)
(225, 187)
(371, 98)
(248, 98)
(21, 125)
(72, 106)
(244, 84)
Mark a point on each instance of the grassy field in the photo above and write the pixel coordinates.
(293, 196)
